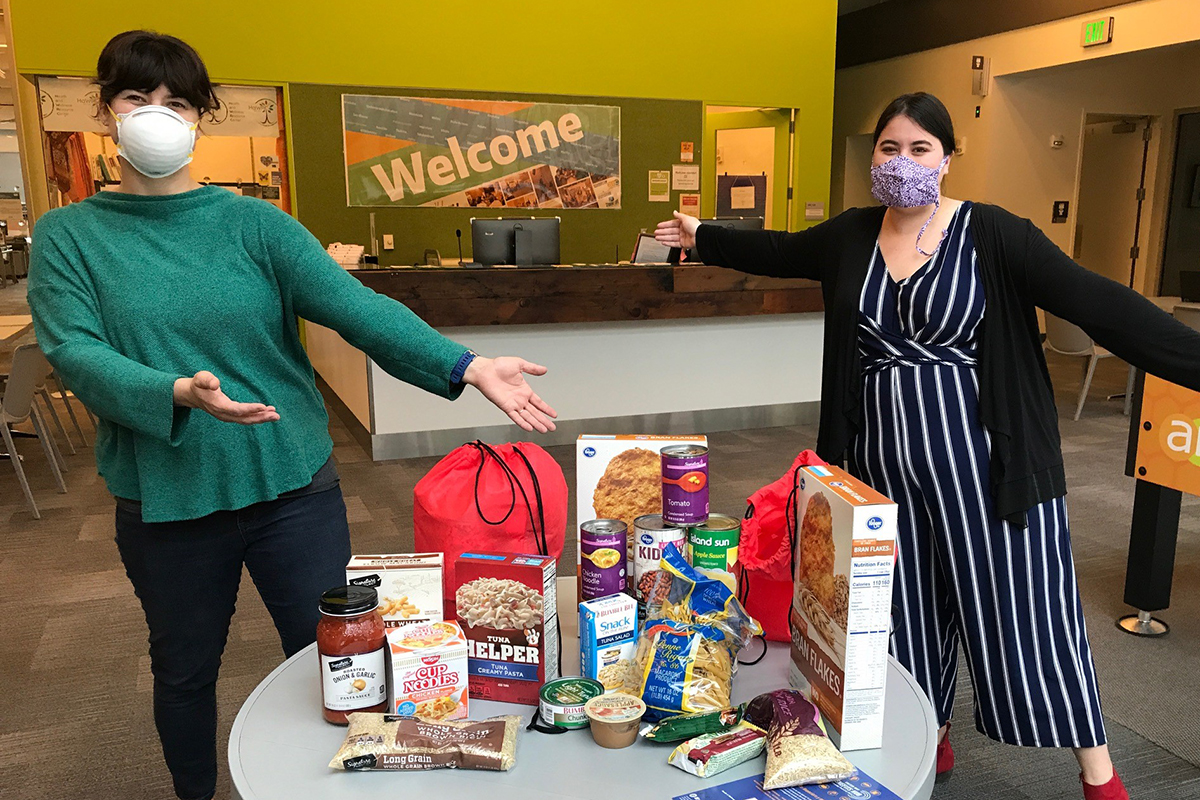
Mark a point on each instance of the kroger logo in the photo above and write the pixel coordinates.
(589, 451)
(646, 539)
(874, 523)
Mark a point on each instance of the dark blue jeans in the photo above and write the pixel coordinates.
(186, 575)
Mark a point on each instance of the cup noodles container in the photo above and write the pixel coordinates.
(842, 602)
(620, 477)
(506, 606)
(608, 630)
(603, 566)
(651, 537)
(409, 585)
(685, 484)
(429, 670)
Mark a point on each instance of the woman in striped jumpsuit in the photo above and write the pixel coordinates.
(967, 447)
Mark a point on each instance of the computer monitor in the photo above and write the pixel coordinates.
(1189, 285)
(733, 223)
(649, 251)
(736, 223)
(524, 241)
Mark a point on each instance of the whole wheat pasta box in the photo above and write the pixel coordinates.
(507, 607)
(620, 477)
(842, 602)
(409, 585)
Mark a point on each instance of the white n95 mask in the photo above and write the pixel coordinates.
(155, 140)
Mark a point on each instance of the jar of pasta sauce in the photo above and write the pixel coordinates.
(352, 647)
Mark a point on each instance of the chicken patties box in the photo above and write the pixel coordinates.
(842, 603)
(620, 477)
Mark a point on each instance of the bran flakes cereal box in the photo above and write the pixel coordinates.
(429, 670)
(620, 477)
(507, 608)
(841, 607)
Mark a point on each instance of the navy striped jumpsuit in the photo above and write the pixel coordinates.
(963, 574)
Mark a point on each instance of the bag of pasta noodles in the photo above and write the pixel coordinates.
(687, 651)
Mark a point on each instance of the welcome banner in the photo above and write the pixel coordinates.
(418, 151)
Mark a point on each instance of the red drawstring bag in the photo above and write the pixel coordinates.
(764, 567)
(508, 498)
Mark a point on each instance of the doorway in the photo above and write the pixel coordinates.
(856, 192)
(1112, 192)
(1181, 251)
(745, 163)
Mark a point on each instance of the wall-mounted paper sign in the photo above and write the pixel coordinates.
(689, 204)
(244, 111)
(69, 104)
(741, 197)
(687, 152)
(660, 186)
(686, 177)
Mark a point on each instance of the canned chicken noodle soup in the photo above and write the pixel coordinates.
(685, 484)
(602, 557)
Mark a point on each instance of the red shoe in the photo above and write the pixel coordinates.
(1113, 790)
(945, 761)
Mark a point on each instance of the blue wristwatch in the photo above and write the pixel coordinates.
(460, 369)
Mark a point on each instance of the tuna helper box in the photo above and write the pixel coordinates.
(841, 608)
(620, 477)
(607, 639)
(507, 609)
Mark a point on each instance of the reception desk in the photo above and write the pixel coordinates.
(630, 348)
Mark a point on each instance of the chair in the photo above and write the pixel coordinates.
(1067, 339)
(66, 396)
(29, 370)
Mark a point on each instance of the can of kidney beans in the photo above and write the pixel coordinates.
(685, 484)
(602, 557)
(651, 536)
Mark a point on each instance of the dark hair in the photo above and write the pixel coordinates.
(144, 60)
(926, 111)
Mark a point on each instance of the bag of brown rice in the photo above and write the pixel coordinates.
(390, 742)
(798, 751)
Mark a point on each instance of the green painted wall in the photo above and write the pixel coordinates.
(777, 53)
(651, 131)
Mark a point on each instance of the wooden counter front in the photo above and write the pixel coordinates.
(448, 297)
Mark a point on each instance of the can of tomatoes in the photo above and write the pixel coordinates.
(602, 551)
(685, 484)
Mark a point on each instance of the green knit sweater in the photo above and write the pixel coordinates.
(130, 293)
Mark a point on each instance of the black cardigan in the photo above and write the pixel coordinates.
(1021, 269)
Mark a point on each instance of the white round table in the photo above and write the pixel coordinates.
(280, 747)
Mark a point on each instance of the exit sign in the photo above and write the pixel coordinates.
(1097, 31)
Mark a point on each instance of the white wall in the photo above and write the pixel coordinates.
(1044, 83)
(628, 368)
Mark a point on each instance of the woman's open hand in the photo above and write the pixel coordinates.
(678, 232)
(502, 381)
(203, 391)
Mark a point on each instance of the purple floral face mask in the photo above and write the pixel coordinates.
(903, 183)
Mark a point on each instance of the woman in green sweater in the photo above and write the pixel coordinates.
(171, 309)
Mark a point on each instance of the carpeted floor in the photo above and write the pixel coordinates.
(75, 717)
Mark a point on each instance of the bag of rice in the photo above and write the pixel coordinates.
(798, 751)
(391, 742)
